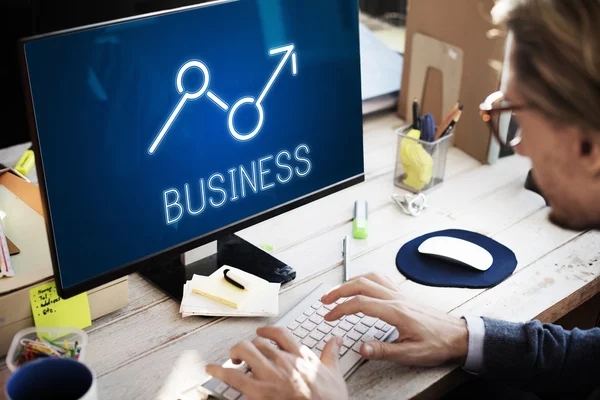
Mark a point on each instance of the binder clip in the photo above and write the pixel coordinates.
(411, 204)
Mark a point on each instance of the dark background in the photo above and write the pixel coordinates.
(22, 18)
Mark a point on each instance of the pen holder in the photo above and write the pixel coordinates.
(420, 165)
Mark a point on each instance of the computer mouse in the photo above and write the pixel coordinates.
(459, 251)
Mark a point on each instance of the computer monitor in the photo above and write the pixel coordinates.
(160, 133)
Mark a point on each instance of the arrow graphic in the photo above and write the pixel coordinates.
(288, 53)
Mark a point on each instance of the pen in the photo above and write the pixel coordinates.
(416, 121)
(345, 253)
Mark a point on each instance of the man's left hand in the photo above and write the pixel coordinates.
(290, 372)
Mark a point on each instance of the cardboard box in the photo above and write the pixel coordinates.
(464, 24)
(26, 227)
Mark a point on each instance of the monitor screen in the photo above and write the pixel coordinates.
(155, 133)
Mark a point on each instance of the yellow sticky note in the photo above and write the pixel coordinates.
(50, 310)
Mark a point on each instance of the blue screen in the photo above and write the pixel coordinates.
(156, 131)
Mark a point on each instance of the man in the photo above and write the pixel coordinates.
(554, 93)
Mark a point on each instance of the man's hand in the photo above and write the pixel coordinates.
(427, 337)
(292, 372)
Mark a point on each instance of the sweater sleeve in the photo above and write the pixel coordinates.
(542, 358)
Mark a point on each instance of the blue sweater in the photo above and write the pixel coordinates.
(543, 359)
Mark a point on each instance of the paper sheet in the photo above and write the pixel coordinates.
(264, 301)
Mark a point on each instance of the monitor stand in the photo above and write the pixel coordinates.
(230, 250)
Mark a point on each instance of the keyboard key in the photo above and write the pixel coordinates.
(379, 324)
(322, 311)
(368, 321)
(386, 327)
(370, 335)
(353, 319)
(293, 326)
(348, 342)
(317, 305)
(340, 301)
(301, 318)
(327, 337)
(231, 394)
(354, 335)
(317, 352)
(309, 342)
(379, 335)
(324, 328)
(221, 387)
(345, 326)
(361, 328)
(343, 350)
(333, 323)
(301, 332)
(315, 319)
(357, 346)
(338, 332)
(349, 360)
(360, 315)
(309, 326)
(318, 335)
(309, 312)
(330, 306)
(321, 345)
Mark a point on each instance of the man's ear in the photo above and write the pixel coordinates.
(590, 153)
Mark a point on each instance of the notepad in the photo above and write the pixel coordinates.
(261, 300)
(217, 288)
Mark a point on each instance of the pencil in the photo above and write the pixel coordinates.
(446, 121)
(452, 124)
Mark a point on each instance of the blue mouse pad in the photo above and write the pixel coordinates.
(431, 271)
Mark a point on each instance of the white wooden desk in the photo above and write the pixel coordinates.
(148, 351)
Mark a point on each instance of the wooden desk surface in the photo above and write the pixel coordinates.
(148, 351)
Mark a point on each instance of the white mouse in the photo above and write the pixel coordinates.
(459, 251)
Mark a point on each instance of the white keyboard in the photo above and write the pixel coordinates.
(305, 322)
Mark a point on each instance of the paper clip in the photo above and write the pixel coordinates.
(411, 204)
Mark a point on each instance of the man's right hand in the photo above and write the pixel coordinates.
(427, 337)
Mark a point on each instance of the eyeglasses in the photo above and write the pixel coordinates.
(497, 112)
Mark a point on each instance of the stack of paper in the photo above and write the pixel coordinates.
(261, 300)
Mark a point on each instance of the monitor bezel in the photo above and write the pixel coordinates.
(165, 255)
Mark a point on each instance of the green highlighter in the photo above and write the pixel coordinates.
(360, 225)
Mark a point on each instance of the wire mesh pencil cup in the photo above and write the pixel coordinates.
(420, 165)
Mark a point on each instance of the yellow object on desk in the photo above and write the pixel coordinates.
(26, 162)
(217, 288)
(49, 309)
(416, 161)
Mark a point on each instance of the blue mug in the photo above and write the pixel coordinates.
(52, 378)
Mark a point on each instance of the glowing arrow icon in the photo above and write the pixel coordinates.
(288, 53)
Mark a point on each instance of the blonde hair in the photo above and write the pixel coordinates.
(556, 57)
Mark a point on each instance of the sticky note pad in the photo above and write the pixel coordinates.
(222, 291)
(215, 287)
(50, 310)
